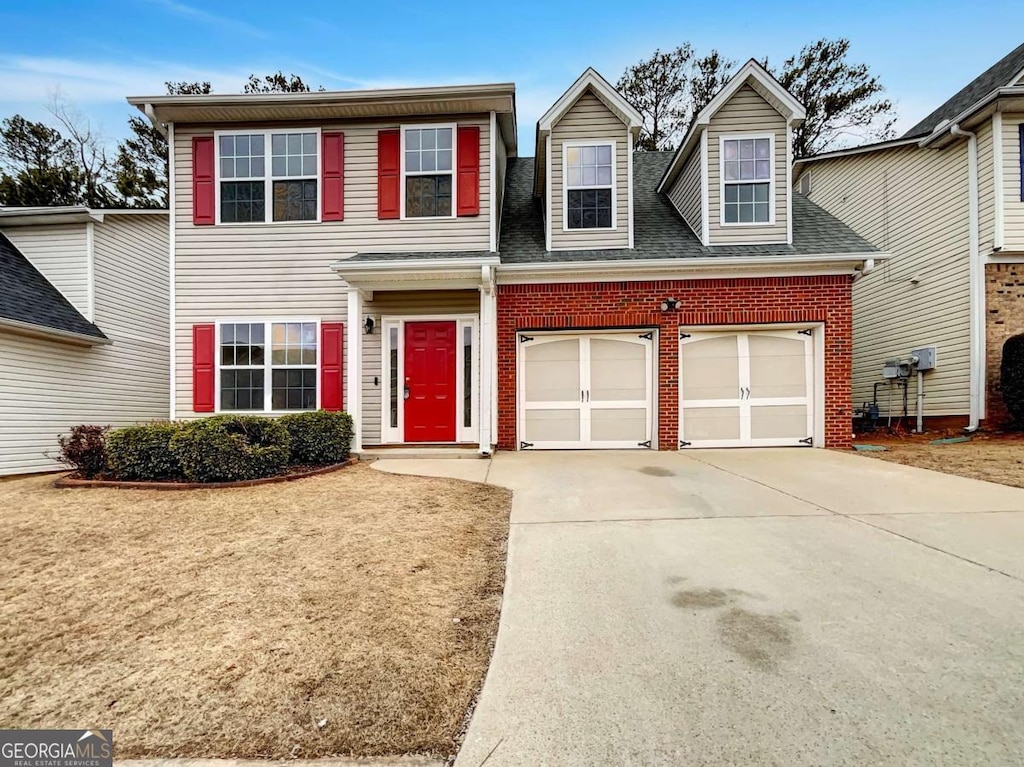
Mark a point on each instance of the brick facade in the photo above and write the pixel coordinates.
(761, 300)
(1004, 295)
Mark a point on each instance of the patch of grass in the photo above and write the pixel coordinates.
(232, 623)
(993, 458)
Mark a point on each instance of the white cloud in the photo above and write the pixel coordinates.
(191, 12)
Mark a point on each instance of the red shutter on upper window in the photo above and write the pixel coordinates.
(389, 151)
(332, 193)
(332, 340)
(204, 200)
(468, 164)
(204, 342)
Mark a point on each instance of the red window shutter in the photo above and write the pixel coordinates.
(389, 173)
(469, 171)
(332, 340)
(332, 192)
(204, 200)
(204, 341)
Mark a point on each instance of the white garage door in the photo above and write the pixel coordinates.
(746, 388)
(590, 390)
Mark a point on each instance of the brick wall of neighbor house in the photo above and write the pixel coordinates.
(1004, 288)
(761, 300)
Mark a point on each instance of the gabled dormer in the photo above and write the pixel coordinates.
(584, 167)
(730, 179)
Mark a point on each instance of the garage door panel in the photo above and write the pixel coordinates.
(552, 426)
(709, 368)
(618, 370)
(778, 422)
(711, 423)
(778, 366)
(618, 425)
(552, 371)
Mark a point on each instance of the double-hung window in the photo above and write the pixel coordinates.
(427, 154)
(747, 180)
(255, 187)
(255, 377)
(589, 173)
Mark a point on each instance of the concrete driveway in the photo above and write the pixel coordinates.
(790, 607)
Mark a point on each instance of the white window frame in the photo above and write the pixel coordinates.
(269, 178)
(722, 183)
(565, 185)
(454, 174)
(268, 366)
(390, 435)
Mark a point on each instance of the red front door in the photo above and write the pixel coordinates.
(430, 381)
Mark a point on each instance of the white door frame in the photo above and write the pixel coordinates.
(393, 436)
(815, 383)
(585, 405)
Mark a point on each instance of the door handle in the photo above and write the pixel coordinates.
(405, 394)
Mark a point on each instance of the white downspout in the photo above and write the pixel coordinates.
(977, 283)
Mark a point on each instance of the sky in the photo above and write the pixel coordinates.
(97, 52)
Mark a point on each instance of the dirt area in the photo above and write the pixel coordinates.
(993, 457)
(345, 614)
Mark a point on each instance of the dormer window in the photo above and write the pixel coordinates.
(747, 180)
(429, 178)
(589, 173)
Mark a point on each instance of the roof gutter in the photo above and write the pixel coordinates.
(976, 280)
(66, 336)
(690, 264)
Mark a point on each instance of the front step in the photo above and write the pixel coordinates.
(382, 453)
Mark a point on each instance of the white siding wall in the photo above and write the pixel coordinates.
(986, 195)
(589, 119)
(283, 270)
(686, 193)
(911, 203)
(61, 254)
(1013, 207)
(746, 112)
(47, 386)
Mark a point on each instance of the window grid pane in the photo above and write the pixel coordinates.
(467, 376)
(242, 202)
(242, 156)
(588, 166)
(745, 161)
(427, 196)
(295, 201)
(428, 150)
(589, 208)
(294, 155)
(293, 358)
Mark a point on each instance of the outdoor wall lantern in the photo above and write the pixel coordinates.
(368, 326)
(669, 305)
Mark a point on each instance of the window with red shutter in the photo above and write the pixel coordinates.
(203, 197)
(468, 185)
(388, 173)
(332, 339)
(203, 353)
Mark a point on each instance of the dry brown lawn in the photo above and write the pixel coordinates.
(346, 614)
(991, 457)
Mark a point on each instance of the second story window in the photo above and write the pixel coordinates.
(747, 180)
(429, 179)
(589, 174)
(255, 188)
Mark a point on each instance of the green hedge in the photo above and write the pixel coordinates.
(229, 448)
(143, 452)
(319, 438)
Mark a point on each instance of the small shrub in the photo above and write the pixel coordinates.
(229, 448)
(84, 450)
(319, 437)
(143, 452)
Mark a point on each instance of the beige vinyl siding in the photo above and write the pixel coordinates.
(746, 112)
(401, 303)
(46, 387)
(686, 193)
(913, 204)
(1013, 208)
(500, 166)
(590, 120)
(986, 195)
(61, 253)
(282, 270)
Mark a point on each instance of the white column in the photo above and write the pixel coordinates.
(354, 366)
(486, 355)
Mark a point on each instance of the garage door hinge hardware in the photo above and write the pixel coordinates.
(684, 335)
(684, 444)
(524, 445)
(807, 332)
(648, 336)
(523, 339)
(807, 441)
(644, 444)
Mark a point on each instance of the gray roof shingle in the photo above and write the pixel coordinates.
(27, 296)
(659, 230)
(996, 76)
(364, 257)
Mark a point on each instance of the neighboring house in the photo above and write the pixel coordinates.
(946, 199)
(83, 326)
(590, 297)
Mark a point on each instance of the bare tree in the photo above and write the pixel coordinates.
(89, 147)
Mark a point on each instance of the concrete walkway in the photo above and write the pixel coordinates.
(789, 607)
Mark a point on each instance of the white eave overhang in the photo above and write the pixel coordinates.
(320, 106)
(1009, 99)
(417, 273)
(68, 214)
(52, 334)
(689, 268)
